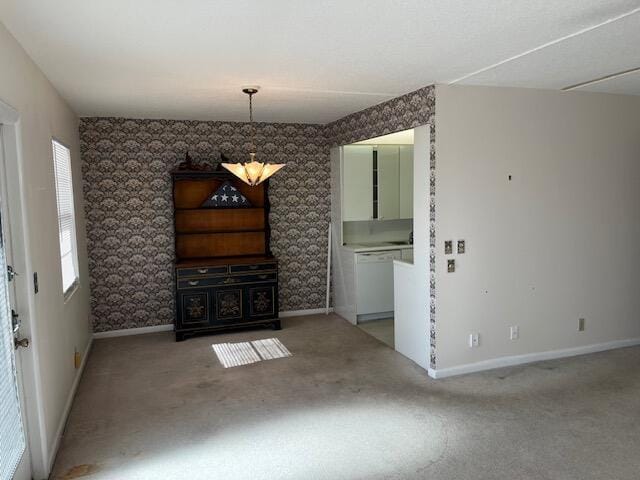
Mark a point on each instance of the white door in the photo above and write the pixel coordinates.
(14, 456)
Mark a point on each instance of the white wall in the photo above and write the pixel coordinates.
(560, 241)
(377, 231)
(411, 282)
(58, 327)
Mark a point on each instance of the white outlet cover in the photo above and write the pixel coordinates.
(514, 332)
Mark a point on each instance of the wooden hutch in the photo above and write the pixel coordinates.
(226, 276)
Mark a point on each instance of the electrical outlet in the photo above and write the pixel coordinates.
(514, 332)
(581, 324)
(474, 340)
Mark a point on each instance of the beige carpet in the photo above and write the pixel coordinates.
(345, 406)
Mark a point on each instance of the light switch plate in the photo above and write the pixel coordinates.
(461, 246)
(448, 247)
(451, 266)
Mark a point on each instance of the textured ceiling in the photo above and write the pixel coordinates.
(316, 61)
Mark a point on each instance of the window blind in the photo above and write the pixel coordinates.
(11, 433)
(66, 217)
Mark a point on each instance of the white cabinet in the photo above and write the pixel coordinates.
(357, 183)
(383, 193)
(406, 181)
(388, 182)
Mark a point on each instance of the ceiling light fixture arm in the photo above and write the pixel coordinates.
(251, 91)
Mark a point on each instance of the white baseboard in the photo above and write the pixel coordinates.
(530, 357)
(301, 313)
(372, 317)
(134, 331)
(67, 408)
(168, 328)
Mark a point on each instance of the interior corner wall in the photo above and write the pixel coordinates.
(59, 327)
(543, 187)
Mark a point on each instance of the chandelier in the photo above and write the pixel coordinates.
(252, 172)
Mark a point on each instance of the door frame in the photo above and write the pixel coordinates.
(35, 428)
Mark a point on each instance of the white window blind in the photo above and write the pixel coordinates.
(66, 216)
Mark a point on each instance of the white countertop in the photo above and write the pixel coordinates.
(403, 263)
(376, 247)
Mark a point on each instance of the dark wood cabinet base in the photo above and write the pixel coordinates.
(214, 296)
(184, 334)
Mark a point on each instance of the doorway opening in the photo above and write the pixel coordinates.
(374, 226)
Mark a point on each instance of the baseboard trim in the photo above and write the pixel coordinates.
(168, 328)
(67, 408)
(134, 331)
(530, 358)
(302, 313)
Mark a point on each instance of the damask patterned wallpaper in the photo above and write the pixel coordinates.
(408, 111)
(127, 189)
(126, 164)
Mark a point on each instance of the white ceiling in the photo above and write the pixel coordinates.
(316, 61)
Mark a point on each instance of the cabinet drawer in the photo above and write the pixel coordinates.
(197, 271)
(256, 267)
(227, 280)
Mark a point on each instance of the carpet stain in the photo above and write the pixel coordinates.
(205, 384)
(80, 471)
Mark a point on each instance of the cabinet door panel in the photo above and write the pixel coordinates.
(262, 301)
(357, 182)
(194, 308)
(388, 182)
(228, 305)
(406, 181)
